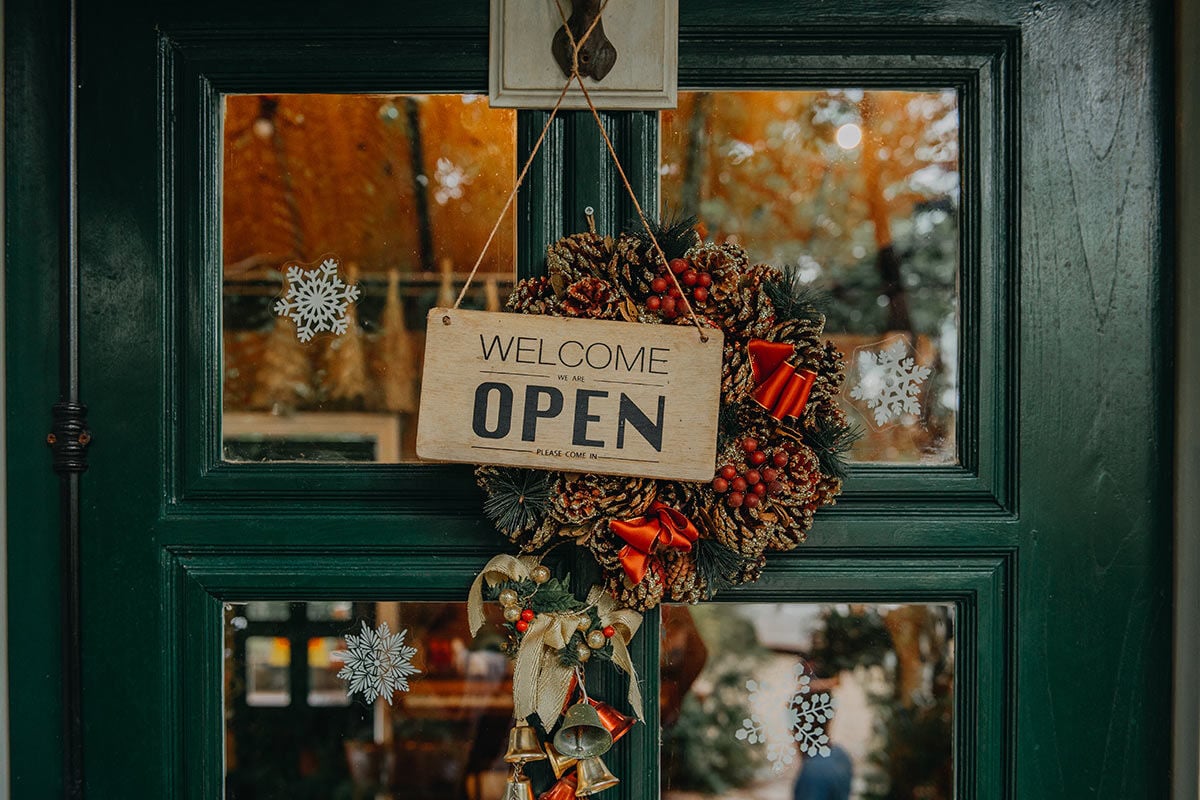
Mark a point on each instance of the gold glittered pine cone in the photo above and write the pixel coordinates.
(590, 298)
(683, 581)
(718, 259)
(533, 296)
(831, 373)
(635, 266)
(739, 301)
(581, 255)
(737, 374)
(798, 498)
(579, 498)
(641, 596)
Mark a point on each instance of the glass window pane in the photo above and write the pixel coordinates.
(324, 686)
(442, 738)
(799, 700)
(268, 661)
(329, 611)
(858, 190)
(267, 611)
(396, 193)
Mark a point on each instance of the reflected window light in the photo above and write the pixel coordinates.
(849, 136)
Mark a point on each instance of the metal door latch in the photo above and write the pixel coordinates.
(69, 438)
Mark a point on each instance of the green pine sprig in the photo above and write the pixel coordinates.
(676, 234)
(716, 565)
(831, 440)
(518, 499)
(793, 298)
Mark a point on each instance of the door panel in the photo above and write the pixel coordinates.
(1047, 538)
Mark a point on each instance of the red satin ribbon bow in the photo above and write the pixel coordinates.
(780, 388)
(663, 526)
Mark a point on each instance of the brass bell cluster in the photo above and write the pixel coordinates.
(523, 747)
(588, 730)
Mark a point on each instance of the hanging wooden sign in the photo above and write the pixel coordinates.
(578, 395)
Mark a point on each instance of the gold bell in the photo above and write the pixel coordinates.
(613, 721)
(582, 734)
(523, 745)
(518, 786)
(593, 776)
(564, 789)
(558, 762)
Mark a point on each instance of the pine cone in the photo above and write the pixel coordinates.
(799, 498)
(590, 298)
(830, 368)
(683, 582)
(751, 570)
(582, 255)
(737, 375)
(737, 298)
(533, 296)
(636, 266)
(578, 498)
(642, 596)
(718, 259)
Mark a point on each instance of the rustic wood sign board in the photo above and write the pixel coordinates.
(616, 398)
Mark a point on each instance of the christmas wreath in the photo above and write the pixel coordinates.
(781, 435)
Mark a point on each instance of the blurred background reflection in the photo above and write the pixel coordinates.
(748, 690)
(292, 732)
(858, 191)
(402, 190)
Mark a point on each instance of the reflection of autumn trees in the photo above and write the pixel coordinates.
(394, 187)
(312, 174)
(873, 223)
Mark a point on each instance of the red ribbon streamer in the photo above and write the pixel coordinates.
(662, 527)
(780, 388)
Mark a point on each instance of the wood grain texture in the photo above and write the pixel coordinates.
(1185, 765)
(1078, 663)
(614, 398)
(1095, 544)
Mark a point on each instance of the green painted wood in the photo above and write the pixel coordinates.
(1052, 537)
(32, 174)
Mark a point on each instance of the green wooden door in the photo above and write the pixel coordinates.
(1048, 531)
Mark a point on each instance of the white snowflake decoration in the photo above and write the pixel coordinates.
(806, 715)
(377, 663)
(316, 300)
(890, 382)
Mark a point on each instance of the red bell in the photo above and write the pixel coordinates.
(563, 790)
(614, 721)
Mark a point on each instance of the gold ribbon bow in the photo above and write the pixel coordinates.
(500, 569)
(540, 681)
(625, 621)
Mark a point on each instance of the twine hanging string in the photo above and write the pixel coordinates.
(576, 77)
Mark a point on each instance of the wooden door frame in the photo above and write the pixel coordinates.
(1186, 745)
(33, 39)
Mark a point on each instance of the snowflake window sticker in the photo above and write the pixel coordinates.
(377, 663)
(806, 714)
(316, 299)
(889, 381)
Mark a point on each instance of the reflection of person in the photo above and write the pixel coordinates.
(682, 660)
(825, 777)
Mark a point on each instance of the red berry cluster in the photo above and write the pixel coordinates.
(759, 477)
(667, 298)
(527, 616)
